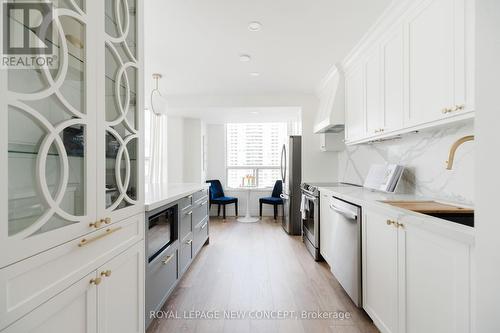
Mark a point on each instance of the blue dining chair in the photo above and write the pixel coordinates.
(218, 198)
(274, 199)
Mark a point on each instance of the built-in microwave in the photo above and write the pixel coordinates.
(161, 231)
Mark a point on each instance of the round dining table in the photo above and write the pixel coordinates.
(248, 218)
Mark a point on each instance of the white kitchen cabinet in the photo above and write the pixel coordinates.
(380, 271)
(436, 280)
(73, 310)
(355, 104)
(372, 76)
(417, 67)
(109, 299)
(414, 280)
(436, 61)
(120, 295)
(393, 83)
(71, 154)
(68, 165)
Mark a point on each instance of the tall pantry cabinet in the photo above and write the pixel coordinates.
(71, 169)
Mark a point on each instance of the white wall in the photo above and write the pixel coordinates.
(424, 154)
(184, 137)
(487, 253)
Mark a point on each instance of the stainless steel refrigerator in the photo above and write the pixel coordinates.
(291, 171)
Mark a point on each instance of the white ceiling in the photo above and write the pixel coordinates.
(221, 115)
(196, 44)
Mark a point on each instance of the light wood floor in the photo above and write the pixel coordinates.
(256, 266)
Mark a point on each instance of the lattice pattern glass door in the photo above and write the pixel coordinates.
(122, 114)
(47, 145)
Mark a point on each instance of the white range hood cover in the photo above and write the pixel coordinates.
(331, 112)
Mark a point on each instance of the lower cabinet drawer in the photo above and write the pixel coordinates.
(200, 211)
(160, 279)
(199, 194)
(185, 253)
(29, 283)
(185, 203)
(185, 223)
(200, 235)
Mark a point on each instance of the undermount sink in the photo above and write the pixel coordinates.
(452, 213)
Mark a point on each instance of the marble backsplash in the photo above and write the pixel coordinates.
(424, 155)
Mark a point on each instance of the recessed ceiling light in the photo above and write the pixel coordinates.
(254, 26)
(245, 58)
(255, 74)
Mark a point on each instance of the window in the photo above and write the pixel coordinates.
(254, 149)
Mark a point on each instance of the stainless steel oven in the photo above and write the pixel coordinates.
(310, 210)
(310, 219)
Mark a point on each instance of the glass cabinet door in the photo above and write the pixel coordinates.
(47, 145)
(121, 181)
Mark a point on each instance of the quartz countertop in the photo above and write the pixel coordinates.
(370, 199)
(158, 195)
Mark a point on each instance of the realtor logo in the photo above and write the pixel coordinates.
(27, 35)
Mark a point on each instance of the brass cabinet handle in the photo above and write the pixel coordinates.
(96, 224)
(459, 107)
(107, 220)
(189, 242)
(389, 222)
(400, 225)
(167, 259)
(108, 231)
(106, 273)
(95, 281)
(379, 130)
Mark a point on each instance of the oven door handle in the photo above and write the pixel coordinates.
(345, 213)
(310, 198)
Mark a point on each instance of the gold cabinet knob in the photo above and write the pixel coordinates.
(95, 281)
(106, 273)
(446, 110)
(391, 222)
(107, 220)
(400, 225)
(458, 107)
(96, 224)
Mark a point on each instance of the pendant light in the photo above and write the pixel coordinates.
(158, 102)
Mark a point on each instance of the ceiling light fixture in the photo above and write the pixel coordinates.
(158, 103)
(254, 26)
(245, 58)
(254, 74)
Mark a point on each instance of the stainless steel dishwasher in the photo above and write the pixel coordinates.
(346, 247)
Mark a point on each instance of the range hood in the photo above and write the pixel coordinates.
(331, 112)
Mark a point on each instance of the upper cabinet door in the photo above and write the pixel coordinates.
(393, 79)
(374, 112)
(355, 104)
(434, 58)
(120, 139)
(47, 143)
